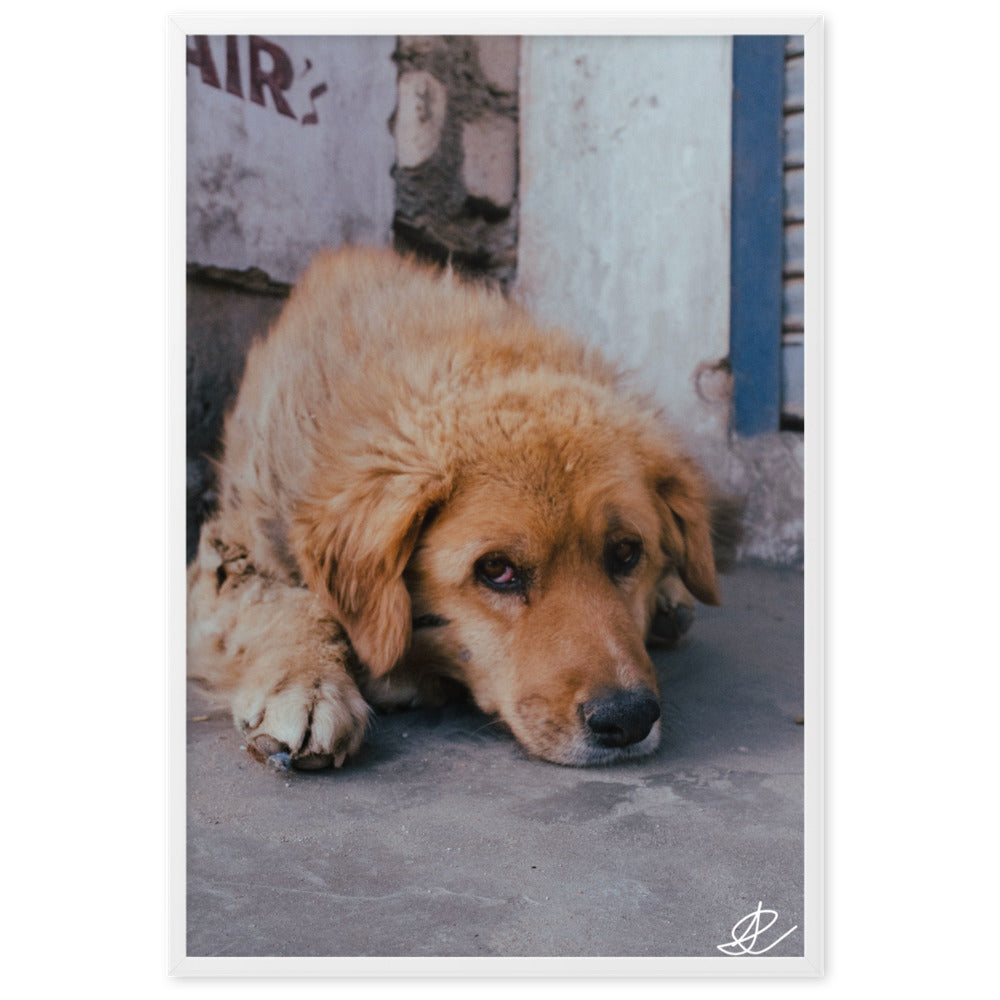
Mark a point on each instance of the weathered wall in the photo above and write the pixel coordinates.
(288, 148)
(624, 207)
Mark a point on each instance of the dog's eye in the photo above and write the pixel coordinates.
(621, 557)
(499, 573)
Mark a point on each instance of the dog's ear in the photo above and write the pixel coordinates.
(682, 497)
(352, 548)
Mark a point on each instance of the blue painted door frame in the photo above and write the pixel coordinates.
(755, 275)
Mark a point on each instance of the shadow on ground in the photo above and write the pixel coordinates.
(444, 839)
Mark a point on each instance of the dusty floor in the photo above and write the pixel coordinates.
(444, 839)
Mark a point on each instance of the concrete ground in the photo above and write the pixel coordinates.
(444, 839)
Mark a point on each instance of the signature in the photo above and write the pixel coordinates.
(747, 929)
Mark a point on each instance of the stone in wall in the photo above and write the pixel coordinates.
(455, 126)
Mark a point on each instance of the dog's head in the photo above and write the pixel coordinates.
(528, 563)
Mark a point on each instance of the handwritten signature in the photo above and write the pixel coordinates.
(748, 929)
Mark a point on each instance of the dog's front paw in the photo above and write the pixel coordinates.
(303, 723)
(673, 615)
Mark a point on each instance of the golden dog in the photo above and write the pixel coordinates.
(421, 487)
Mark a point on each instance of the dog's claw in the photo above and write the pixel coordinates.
(280, 761)
(264, 747)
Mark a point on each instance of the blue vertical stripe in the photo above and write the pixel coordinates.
(755, 275)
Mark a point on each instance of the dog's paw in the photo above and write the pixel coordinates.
(303, 724)
(674, 613)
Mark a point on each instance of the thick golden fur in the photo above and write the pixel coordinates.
(421, 487)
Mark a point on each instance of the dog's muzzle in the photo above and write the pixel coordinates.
(621, 718)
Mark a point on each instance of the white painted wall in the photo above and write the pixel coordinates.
(265, 189)
(625, 206)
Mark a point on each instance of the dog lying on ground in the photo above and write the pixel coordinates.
(422, 490)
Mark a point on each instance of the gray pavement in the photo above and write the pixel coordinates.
(444, 839)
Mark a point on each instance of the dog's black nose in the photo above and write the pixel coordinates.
(622, 718)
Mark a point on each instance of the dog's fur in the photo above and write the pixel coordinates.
(420, 487)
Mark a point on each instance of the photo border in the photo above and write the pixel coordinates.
(811, 964)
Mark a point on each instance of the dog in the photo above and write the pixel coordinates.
(421, 492)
